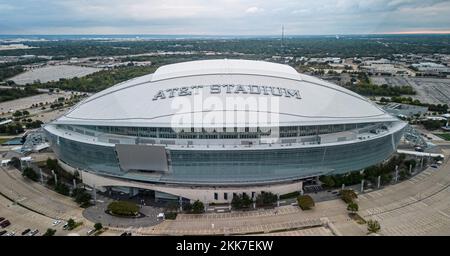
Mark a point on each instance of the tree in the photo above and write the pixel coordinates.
(266, 199)
(62, 188)
(81, 197)
(241, 201)
(187, 207)
(353, 207)
(51, 181)
(98, 226)
(71, 224)
(348, 195)
(49, 232)
(327, 181)
(15, 162)
(305, 202)
(30, 173)
(198, 207)
(52, 164)
(17, 113)
(373, 226)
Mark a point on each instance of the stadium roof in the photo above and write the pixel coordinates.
(133, 103)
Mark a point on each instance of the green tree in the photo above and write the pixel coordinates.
(266, 199)
(52, 164)
(305, 202)
(353, 207)
(327, 181)
(51, 181)
(17, 113)
(98, 226)
(15, 162)
(348, 195)
(373, 226)
(81, 197)
(62, 188)
(71, 224)
(30, 173)
(198, 207)
(187, 207)
(49, 232)
(241, 201)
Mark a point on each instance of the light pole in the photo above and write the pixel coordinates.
(42, 177)
(56, 178)
(396, 173)
(95, 194)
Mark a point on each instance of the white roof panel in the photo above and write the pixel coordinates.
(132, 103)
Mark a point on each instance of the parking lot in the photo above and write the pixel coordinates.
(429, 90)
(22, 219)
(30, 205)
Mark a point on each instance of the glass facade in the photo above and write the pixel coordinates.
(190, 133)
(236, 166)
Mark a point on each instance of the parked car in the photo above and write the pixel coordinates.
(3, 232)
(34, 232)
(90, 232)
(2, 219)
(5, 223)
(418, 149)
(26, 231)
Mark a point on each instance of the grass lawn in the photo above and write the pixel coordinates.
(445, 136)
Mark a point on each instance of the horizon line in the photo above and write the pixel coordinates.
(421, 32)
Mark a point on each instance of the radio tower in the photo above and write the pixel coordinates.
(282, 41)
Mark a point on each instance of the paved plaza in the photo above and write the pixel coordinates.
(418, 206)
(97, 213)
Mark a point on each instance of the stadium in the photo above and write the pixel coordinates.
(208, 129)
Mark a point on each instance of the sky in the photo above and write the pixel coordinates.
(224, 17)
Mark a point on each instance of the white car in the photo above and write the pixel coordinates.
(11, 233)
(56, 222)
(33, 232)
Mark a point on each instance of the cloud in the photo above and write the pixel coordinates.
(222, 16)
(254, 9)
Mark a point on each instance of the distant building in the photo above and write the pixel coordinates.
(326, 60)
(431, 68)
(5, 122)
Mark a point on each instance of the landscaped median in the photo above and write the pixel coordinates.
(445, 136)
(123, 209)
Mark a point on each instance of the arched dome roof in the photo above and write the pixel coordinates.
(218, 87)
